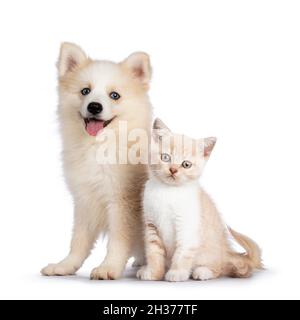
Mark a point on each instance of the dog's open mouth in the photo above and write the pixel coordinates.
(93, 125)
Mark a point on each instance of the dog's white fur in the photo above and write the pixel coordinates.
(106, 197)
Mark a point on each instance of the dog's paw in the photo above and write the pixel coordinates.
(147, 274)
(202, 273)
(105, 273)
(175, 275)
(59, 269)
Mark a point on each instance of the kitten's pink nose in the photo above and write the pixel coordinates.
(173, 170)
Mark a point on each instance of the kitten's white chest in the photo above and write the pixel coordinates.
(174, 210)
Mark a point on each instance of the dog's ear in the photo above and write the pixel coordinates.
(138, 64)
(160, 130)
(71, 56)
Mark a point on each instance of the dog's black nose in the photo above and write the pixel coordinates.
(94, 108)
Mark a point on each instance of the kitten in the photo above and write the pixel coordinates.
(184, 232)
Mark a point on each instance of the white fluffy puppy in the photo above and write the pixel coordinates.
(94, 96)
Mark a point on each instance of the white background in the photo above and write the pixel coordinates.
(224, 68)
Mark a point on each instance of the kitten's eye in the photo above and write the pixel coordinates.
(165, 157)
(114, 95)
(186, 164)
(85, 91)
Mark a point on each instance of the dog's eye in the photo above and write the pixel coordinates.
(165, 157)
(186, 164)
(114, 95)
(85, 91)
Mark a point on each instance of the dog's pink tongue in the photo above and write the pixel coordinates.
(94, 126)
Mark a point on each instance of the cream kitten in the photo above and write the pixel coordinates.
(184, 233)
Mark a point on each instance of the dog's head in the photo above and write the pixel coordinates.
(95, 93)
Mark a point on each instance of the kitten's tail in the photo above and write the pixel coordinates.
(241, 265)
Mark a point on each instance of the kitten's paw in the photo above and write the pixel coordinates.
(105, 272)
(59, 269)
(147, 274)
(202, 273)
(177, 275)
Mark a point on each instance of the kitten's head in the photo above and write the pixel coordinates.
(177, 159)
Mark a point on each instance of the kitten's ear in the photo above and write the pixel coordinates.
(159, 125)
(209, 144)
(160, 129)
(138, 64)
(71, 56)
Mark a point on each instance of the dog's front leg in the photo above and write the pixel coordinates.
(86, 230)
(119, 245)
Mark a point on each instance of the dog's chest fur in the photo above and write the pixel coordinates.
(88, 177)
(83, 171)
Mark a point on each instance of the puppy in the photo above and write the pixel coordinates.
(95, 96)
